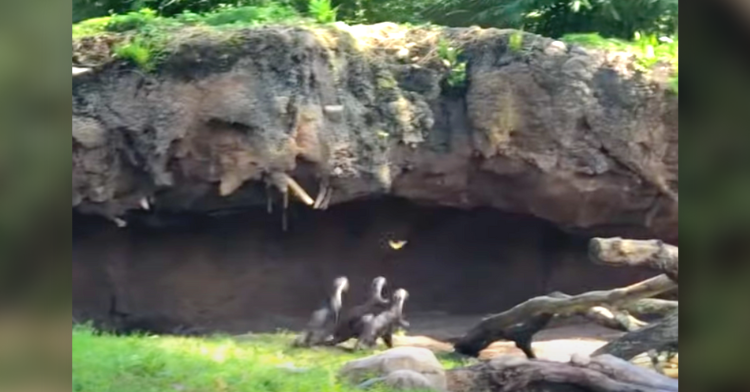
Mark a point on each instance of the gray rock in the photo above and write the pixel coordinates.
(382, 366)
(562, 135)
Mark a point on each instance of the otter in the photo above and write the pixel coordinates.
(350, 322)
(326, 317)
(384, 324)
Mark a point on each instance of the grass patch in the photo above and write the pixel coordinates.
(515, 41)
(451, 59)
(647, 49)
(148, 33)
(106, 363)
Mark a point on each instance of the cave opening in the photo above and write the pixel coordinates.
(241, 271)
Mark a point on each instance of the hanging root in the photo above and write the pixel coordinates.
(322, 192)
(298, 191)
(284, 222)
(269, 200)
(326, 199)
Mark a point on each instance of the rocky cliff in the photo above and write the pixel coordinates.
(329, 115)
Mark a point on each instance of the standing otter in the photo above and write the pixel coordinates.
(325, 318)
(384, 324)
(349, 325)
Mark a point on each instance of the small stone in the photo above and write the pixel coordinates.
(556, 48)
(334, 112)
(415, 359)
(79, 71)
(281, 104)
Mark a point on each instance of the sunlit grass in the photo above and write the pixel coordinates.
(254, 363)
(647, 49)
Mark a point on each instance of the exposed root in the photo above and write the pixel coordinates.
(326, 199)
(299, 191)
(323, 191)
(284, 218)
(269, 199)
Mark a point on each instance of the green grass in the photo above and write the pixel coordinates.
(148, 19)
(106, 363)
(148, 33)
(648, 50)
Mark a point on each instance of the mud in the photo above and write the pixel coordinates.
(242, 273)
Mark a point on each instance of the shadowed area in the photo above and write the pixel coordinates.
(242, 272)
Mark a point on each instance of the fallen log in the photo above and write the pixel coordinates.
(653, 254)
(521, 322)
(604, 374)
(660, 336)
(607, 316)
(649, 307)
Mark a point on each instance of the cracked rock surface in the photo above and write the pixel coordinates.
(566, 134)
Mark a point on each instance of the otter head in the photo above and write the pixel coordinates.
(400, 295)
(341, 284)
(377, 288)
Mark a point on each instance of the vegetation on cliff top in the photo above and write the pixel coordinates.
(148, 32)
(256, 363)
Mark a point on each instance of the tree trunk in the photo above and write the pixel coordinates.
(649, 307)
(618, 252)
(522, 321)
(658, 336)
(604, 373)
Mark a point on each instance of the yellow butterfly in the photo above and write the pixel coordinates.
(396, 244)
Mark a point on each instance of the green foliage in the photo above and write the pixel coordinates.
(147, 20)
(555, 18)
(377, 11)
(140, 51)
(515, 41)
(252, 363)
(150, 32)
(648, 50)
(451, 59)
(86, 9)
(241, 15)
(90, 27)
(322, 11)
(552, 18)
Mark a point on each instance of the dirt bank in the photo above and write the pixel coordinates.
(576, 137)
(242, 272)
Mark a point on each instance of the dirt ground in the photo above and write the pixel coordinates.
(557, 343)
(434, 330)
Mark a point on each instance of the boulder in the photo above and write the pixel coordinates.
(388, 367)
(401, 380)
(575, 137)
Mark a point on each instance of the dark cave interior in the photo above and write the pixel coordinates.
(241, 272)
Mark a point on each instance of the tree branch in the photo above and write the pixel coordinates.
(618, 252)
(603, 374)
(523, 320)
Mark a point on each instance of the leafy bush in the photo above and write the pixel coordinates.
(555, 18)
(456, 68)
(647, 49)
(147, 20)
(322, 11)
(244, 15)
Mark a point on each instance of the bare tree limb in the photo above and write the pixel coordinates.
(618, 252)
(603, 374)
(522, 321)
(649, 307)
(658, 336)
